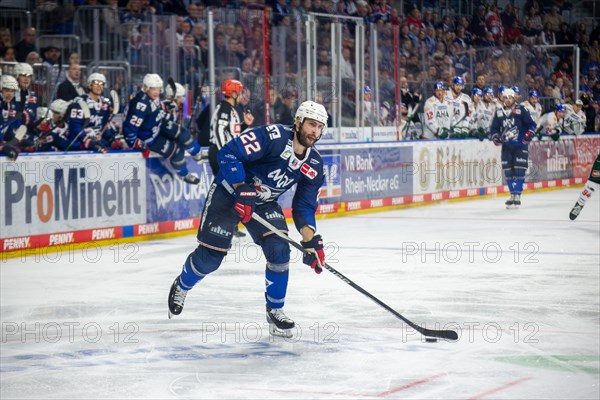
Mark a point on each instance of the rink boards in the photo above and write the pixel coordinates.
(50, 200)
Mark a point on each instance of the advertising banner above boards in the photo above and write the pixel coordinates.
(51, 199)
(46, 192)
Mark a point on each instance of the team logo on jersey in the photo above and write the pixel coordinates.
(287, 153)
(294, 163)
(308, 171)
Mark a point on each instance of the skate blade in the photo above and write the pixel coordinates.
(275, 331)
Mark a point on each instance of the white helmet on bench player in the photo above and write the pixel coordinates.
(153, 81)
(179, 90)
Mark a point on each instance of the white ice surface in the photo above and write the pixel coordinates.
(522, 286)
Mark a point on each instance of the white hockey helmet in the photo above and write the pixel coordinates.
(59, 107)
(508, 92)
(23, 69)
(96, 76)
(179, 90)
(9, 82)
(42, 112)
(312, 110)
(152, 81)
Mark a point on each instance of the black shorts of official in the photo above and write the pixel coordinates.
(219, 220)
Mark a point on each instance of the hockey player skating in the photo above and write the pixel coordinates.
(513, 129)
(225, 124)
(575, 120)
(591, 186)
(256, 167)
(437, 114)
(146, 128)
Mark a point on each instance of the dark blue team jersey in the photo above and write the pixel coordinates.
(513, 124)
(263, 157)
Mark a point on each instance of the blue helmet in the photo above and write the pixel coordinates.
(488, 90)
(477, 92)
(560, 107)
(439, 85)
(516, 89)
(501, 89)
(458, 81)
(367, 89)
(534, 93)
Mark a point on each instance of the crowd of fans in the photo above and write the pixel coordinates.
(436, 44)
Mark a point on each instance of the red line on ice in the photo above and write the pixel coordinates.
(499, 388)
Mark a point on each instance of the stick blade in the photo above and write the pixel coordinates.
(442, 334)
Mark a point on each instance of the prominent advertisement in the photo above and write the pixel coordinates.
(550, 159)
(44, 193)
(378, 172)
(169, 197)
(585, 151)
(450, 165)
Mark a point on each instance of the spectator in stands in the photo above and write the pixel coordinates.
(493, 22)
(553, 18)
(529, 33)
(534, 18)
(221, 54)
(512, 34)
(5, 40)
(547, 36)
(558, 91)
(478, 27)
(26, 45)
(564, 35)
(283, 108)
(189, 62)
(8, 55)
(71, 87)
(33, 58)
(280, 10)
(508, 16)
(461, 40)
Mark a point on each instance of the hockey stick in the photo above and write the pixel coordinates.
(466, 107)
(443, 334)
(409, 117)
(115, 101)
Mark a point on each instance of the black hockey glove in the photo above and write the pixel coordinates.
(245, 201)
(11, 152)
(314, 256)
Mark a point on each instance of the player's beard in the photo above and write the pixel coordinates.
(304, 138)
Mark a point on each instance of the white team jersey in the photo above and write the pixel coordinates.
(483, 115)
(549, 124)
(458, 109)
(437, 114)
(574, 122)
(534, 110)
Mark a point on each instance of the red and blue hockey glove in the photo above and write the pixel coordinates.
(245, 201)
(528, 137)
(314, 256)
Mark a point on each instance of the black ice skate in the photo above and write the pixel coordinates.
(575, 211)
(192, 179)
(279, 323)
(176, 298)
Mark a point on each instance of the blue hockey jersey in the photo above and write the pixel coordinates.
(263, 157)
(512, 124)
(143, 119)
